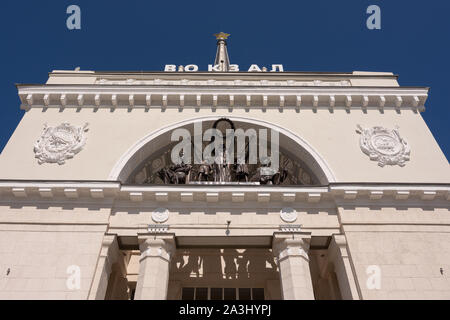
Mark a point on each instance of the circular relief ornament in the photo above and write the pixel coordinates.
(160, 215)
(57, 144)
(288, 214)
(384, 145)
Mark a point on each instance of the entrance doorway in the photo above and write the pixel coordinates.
(204, 293)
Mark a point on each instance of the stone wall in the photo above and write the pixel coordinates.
(34, 260)
(409, 262)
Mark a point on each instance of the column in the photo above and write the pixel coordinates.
(291, 252)
(338, 255)
(153, 279)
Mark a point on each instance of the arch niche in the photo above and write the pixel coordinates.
(140, 163)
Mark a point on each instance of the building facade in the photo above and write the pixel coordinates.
(93, 205)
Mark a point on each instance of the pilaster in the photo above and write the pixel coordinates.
(109, 255)
(338, 255)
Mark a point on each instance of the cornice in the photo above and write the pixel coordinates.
(213, 96)
(12, 191)
(240, 74)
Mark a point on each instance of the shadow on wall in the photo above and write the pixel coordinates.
(224, 264)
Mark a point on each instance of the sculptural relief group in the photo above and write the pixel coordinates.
(220, 161)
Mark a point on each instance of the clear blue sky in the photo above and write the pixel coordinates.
(319, 35)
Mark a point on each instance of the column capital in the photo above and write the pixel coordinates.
(338, 244)
(162, 246)
(109, 250)
(108, 240)
(289, 245)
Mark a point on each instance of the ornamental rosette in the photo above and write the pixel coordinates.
(57, 144)
(160, 215)
(288, 215)
(384, 145)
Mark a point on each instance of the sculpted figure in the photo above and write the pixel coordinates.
(268, 175)
(242, 172)
(204, 171)
(222, 168)
(175, 174)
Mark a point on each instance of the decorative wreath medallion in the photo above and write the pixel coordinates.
(384, 145)
(57, 144)
(160, 215)
(288, 214)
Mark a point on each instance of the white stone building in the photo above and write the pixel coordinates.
(92, 209)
